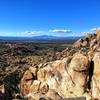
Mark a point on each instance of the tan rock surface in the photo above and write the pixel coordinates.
(96, 76)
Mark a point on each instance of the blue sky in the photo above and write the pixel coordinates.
(48, 17)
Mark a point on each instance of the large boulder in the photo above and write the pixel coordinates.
(26, 82)
(53, 73)
(75, 80)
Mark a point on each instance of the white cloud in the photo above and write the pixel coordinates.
(61, 31)
(93, 29)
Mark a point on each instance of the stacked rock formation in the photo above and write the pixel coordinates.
(73, 76)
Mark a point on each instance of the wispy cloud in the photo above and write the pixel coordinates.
(33, 32)
(61, 31)
(85, 33)
(29, 33)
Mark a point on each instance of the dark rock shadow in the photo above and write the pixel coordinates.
(91, 70)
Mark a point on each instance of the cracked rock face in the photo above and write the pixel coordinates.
(67, 77)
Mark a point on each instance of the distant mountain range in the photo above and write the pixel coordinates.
(52, 37)
(41, 38)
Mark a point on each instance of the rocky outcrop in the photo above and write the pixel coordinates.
(89, 41)
(76, 74)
